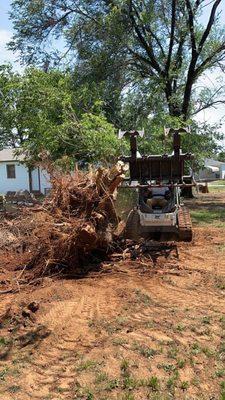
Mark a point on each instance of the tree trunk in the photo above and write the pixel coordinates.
(188, 88)
(175, 109)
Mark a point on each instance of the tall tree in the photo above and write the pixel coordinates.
(159, 42)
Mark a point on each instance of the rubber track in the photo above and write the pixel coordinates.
(184, 224)
(132, 230)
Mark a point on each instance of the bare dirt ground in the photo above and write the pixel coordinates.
(136, 329)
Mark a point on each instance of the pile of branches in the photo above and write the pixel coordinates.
(78, 219)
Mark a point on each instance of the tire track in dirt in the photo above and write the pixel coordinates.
(68, 320)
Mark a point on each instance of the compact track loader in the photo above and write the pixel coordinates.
(159, 180)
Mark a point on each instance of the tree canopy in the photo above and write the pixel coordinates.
(129, 43)
(96, 66)
(47, 111)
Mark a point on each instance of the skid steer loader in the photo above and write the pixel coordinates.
(159, 180)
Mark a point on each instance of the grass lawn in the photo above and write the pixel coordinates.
(206, 216)
(217, 186)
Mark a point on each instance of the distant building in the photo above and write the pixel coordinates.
(14, 175)
(212, 170)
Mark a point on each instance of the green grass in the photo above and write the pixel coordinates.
(172, 352)
(82, 393)
(170, 384)
(142, 297)
(113, 326)
(112, 384)
(14, 389)
(167, 367)
(184, 385)
(153, 383)
(61, 390)
(127, 396)
(195, 349)
(148, 324)
(3, 373)
(220, 282)
(222, 322)
(119, 341)
(221, 248)
(130, 383)
(206, 320)
(205, 217)
(3, 341)
(101, 377)
(124, 366)
(172, 381)
(86, 365)
(219, 182)
(222, 348)
(144, 351)
(208, 352)
(180, 327)
(220, 373)
(90, 396)
(216, 186)
(180, 363)
(216, 189)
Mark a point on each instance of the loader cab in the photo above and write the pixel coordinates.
(161, 199)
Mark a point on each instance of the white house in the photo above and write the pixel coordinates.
(14, 175)
(212, 170)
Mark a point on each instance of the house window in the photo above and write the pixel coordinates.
(11, 171)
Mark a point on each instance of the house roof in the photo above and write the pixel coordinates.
(9, 155)
(212, 162)
(212, 168)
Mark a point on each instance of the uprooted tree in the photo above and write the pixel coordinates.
(78, 218)
(164, 43)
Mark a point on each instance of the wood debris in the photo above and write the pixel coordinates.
(76, 221)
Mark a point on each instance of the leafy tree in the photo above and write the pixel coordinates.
(204, 140)
(11, 129)
(46, 111)
(221, 156)
(129, 43)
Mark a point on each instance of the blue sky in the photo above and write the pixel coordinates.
(5, 34)
(4, 8)
(6, 30)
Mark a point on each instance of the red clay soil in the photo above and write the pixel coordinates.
(146, 328)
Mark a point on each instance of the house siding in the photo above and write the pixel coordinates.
(222, 172)
(21, 181)
(35, 179)
(206, 174)
(44, 181)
